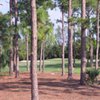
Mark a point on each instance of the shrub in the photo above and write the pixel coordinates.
(92, 75)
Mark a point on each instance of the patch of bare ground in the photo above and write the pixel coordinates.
(52, 86)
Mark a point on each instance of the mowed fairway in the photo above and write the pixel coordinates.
(51, 65)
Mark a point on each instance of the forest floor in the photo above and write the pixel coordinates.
(52, 86)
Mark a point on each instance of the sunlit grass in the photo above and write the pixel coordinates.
(51, 65)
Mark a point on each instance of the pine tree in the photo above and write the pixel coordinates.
(83, 42)
(34, 81)
(70, 41)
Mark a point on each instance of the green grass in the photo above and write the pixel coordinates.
(51, 65)
(54, 65)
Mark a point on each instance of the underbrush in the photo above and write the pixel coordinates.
(92, 76)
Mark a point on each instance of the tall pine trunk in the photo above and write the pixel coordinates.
(17, 58)
(41, 55)
(42, 66)
(83, 44)
(74, 51)
(63, 43)
(16, 36)
(70, 41)
(11, 48)
(11, 60)
(91, 50)
(34, 81)
(14, 53)
(97, 34)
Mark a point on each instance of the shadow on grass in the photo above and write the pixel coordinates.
(53, 66)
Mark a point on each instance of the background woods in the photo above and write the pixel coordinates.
(30, 42)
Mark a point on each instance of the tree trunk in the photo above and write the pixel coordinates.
(11, 48)
(43, 64)
(27, 62)
(11, 62)
(74, 51)
(34, 81)
(97, 35)
(17, 58)
(16, 40)
(63, 44)
(70, 41)
(14, 53)
(83, 45)
(91, 50)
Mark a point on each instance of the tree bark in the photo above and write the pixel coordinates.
(11, 61)
(83, 45)
(63, 43)
(11, 48)
(16, 41)
(17, 58)
(91, 50)
(43, 64)
(74, 51)
(34, 81)
(97, 34)
(70, 41)
(41, 55)
(14, 53)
